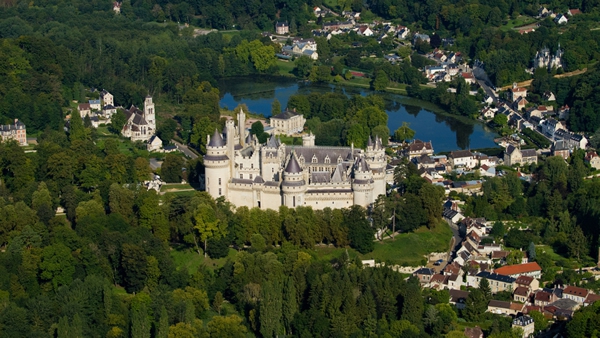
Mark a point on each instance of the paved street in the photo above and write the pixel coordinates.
(183, 148)
(484, 82)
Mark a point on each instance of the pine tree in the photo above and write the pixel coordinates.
(275, 107)
(270, 309)
(218, 302)
(290, 304)
(140, 323)
(412, 303)
(484, 286)
(162, 330)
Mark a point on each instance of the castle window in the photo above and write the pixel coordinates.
(251, 166)
(242, 176)
(314, 159)
(219, 182)
(250, 176)
(327, 160)
(241, 165)
(219, 191)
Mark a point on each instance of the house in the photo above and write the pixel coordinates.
(302, 47)
(473, 332)
(364, 30)
(572, 12)
(84, 109)
(516, 92)
(16, 131)
(333, 26)
(549, 127)
(469, 78)
(423, 37)
(514, 155)
(452, 216)
(154, 143)
(543, 298)
(458, 298)
(317, 11)
(549, 96)
(561, 19)
(282, 28)
(402, 32)
(560, 148)
(520, 103)
(497, 282)
(485, 171)
(591, 299)
(526, 324)
(575, 293)
(106, 98)
(593, 159)
(528, 282)
(463, 158)
(418, 148)
(108, 111)
(287, 123)
(528, 269)
(505, 308)
(117, 7)
(521, 294)
(452, 269)
(488, 112)
(95, 104)
(424, 275)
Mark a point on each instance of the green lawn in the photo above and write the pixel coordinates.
(522, 20)
(176, 186)
(286, 68)
(189, 259)
(410, 248)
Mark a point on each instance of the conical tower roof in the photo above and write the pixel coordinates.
(293, 166)
(249, 139)
(370, 142)
(216, 140)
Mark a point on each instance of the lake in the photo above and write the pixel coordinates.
(446, 132)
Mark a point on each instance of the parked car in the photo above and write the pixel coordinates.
(438, 262)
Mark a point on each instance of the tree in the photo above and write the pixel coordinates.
(258, 129)
(134, 265)
(207, 224)
(540, 321)
(498, 230)
(140, 319)
(270, 309)
(41, 202)
(484, 287)
(412, 303)
(531, 252)
(404, 133)
(501, 120)
(275, 108)
(290, 304)
(263, 58)
(171, 169)
(475, 305)
(218, 302)
(303, 66)
(167, 129)
(77, 131)
(57, 265)
(117, 121)
(226, 327)
(360, 232)
(162, 329)
(380, 82)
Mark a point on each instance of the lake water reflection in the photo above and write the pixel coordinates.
(446, 132)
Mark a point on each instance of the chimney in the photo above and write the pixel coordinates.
(16, 121)
(294, 109)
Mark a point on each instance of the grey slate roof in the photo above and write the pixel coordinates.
(321, 153)
(216, 140)
(287, 114)
(293, 166)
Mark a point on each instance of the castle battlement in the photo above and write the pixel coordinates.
(272, 174)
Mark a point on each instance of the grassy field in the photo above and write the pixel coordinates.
(410, 248)
(286, 68)
(189, 259)
(521, 20)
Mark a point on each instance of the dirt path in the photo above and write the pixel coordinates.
(558, 76)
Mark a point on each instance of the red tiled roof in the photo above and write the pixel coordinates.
(543, 296)
(510, 270)
(575, 291)
(84, 106)
(521, 291)
(592, 298)
(518, 90)
(524, 280)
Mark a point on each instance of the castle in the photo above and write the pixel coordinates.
(140, 125)
(543, 59)
(273, 174)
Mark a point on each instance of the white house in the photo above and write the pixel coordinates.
(561, 19)
(463, 158)
(154, 143)
(95, 104)
(403, 32)
(365, 31)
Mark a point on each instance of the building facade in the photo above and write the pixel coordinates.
(140, 125)
(287, 123)
(15, 131)
(270, 175)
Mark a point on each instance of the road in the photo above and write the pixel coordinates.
(484, 82)
(184, 149)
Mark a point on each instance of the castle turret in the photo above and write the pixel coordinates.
(308, 140)
(294, 185)
(241, 116)
(217, 166)
(362, 184)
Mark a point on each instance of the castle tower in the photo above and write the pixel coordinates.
(149, 113)
(362, 184)
(376, 160)
(241, 117)
(294, 185)
(271, 157)
(217, 166)
(230, 141)
(308, 140)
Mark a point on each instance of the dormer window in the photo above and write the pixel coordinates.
(339, 160)
(327, 160)
(301, 159)
(314, 159)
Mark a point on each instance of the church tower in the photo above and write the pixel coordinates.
(217, 166)
(149, 113)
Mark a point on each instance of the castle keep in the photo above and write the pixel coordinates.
(269, 175)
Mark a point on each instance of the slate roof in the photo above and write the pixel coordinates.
(15, 126)
(321, 153)
(216, 140)
(521, 291)
(461, 154)
(457, 295)
(499, 304)
(293, 166)
(496, 277)
(287, 114)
